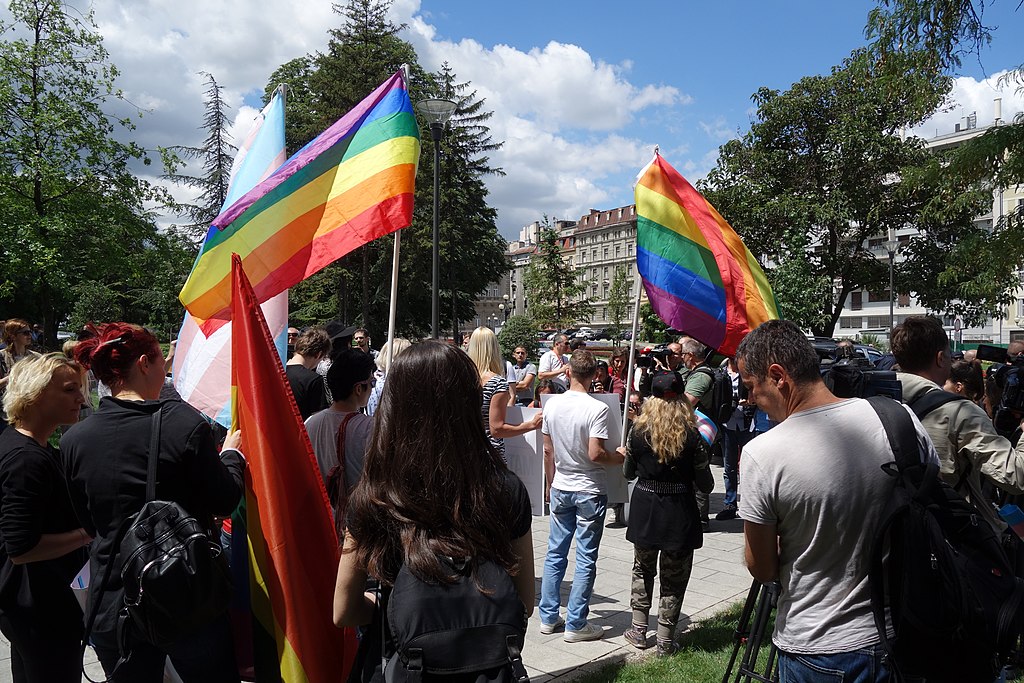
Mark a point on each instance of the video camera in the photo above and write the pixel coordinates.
(854, 376)
(647, 357)
(1007, 376)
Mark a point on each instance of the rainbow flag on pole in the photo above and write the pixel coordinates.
(202, 359)
(349, 186)
(293, 548)
(699, 276)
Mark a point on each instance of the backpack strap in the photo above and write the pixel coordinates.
(154, 453)
(900, 431)
(930, 400)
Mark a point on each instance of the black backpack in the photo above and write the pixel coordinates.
(470, 631)
(954, 604)
(719, 400)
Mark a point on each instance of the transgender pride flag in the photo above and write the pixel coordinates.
(202, 364)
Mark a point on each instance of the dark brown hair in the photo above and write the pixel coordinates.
(432, 484)
(916, 340)
(112, 351)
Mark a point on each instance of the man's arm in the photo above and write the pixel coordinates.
(527, 382)
(599, 456)
(761, 551)
(546, 361)
(697, 384)
(549, 465)
(993, 455)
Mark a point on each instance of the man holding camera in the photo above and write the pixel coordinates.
(813, 492)
(964, 436)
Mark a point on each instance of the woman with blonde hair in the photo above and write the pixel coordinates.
(42, 543)
(485, 352)
(666, 456)
(381, 374)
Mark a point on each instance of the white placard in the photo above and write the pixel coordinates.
(525, 456)
(615, 483)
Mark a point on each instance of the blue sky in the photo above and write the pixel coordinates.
(581, 91)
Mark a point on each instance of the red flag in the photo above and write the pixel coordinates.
(293, 548)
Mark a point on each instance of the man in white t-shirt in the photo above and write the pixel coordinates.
(554, 362)
(575, 429)
(813, 490)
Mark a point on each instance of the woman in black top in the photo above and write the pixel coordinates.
(105, 463)
(43, 545)
(666, 455)
(432, 485)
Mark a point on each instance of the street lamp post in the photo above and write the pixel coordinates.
(504, 306)
(891, 247)
(437, 113)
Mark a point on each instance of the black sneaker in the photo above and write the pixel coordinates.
(667, 648)
(728, 512)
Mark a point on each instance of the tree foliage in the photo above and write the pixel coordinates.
(71, 211)
(823, 170)
(215, 157)
(942, 33)
(518, 330)
(557, 296)
(360, 55)
(618, 301)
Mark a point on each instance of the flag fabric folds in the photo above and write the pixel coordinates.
(349, 186)
(202, 358)
(293, 548)
(699, 276)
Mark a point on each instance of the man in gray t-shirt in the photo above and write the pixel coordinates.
(813, 491)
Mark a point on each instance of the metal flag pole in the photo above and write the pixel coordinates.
(632, 356)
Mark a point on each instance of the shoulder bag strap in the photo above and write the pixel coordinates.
(339, 446)
(154, 454)
(930, 400)
(151, 463)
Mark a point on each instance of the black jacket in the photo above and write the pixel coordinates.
(105, 459)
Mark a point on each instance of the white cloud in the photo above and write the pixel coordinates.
(968, 96)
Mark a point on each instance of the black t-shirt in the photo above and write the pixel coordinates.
(34, 501)
(308, 388)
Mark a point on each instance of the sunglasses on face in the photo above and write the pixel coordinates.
(368, 382)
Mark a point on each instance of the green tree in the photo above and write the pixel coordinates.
(215, 157)
(618, 301)
(518, 330)
(557, 296)
(823, 171)
(72, 210)
(652, 328)
(941, 33)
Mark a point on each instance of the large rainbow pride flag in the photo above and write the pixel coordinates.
(202, 359)
(699, 276)
(293, 548)
(349, 186)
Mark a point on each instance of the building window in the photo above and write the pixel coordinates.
(583, 257)
(606, 272)
(855, 300)
(606, 253)
(618, 250)
(629, 249)
(850, 322)
(594, 273)
(593, 290)
(606, 291)
(878, 321)
(603, 316)
(593, 254)
(1020, 308)
(903, 300)
(876, 297)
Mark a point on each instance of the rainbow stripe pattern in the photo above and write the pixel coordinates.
(699, 276)
(292, 545)
(349, 186)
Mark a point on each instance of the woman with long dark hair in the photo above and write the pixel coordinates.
(42, 544)
(665, 455)
(433, 486)
(106, 460)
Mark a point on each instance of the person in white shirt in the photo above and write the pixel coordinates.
(554, 362)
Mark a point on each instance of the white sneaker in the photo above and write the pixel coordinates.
(548, 629)
(588, 632)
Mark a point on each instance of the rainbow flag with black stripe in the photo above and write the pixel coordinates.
(699, 276)
(286, 517)
(349, 186)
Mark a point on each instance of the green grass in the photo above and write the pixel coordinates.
(703, 656)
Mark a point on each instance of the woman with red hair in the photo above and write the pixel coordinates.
(106, 460)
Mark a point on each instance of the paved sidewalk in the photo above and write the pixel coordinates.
(718, 579)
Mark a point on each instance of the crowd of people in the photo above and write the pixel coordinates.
(366, 412)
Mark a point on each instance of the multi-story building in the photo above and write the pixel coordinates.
(606, 242)
(867, 312)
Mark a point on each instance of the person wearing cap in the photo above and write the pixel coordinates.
(341, 339)
(575, 429)
(666, 455)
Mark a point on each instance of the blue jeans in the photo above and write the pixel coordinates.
(580, 514)
(857, 666)
(732, 441)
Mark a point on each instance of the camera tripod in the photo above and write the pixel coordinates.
(751, 631)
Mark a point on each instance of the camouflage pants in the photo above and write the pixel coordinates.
(675, 574)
